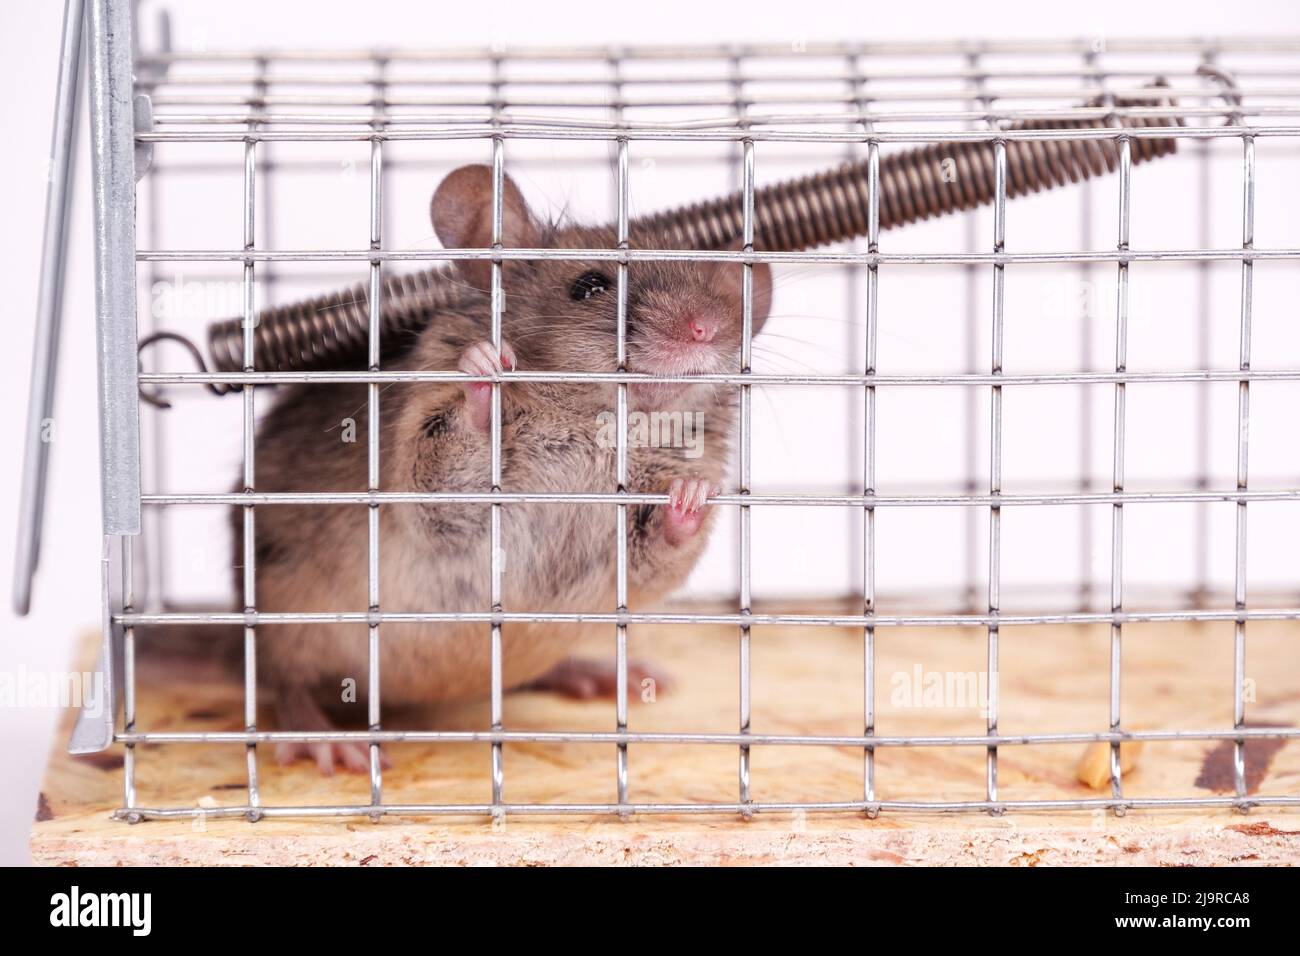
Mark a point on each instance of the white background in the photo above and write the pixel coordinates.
(800, 443)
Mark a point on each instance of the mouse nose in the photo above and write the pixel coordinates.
(701, 328)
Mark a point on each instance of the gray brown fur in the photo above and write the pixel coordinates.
(558, 557)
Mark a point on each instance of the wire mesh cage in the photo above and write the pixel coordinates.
(866, 492)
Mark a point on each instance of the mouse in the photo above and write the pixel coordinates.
(682, 317)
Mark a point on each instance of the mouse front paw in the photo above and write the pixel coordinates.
(684, 513)
(482, 358)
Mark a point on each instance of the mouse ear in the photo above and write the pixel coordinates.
(461, 211)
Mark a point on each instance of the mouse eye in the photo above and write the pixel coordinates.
(590, 284)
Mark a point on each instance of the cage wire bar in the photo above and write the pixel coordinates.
(257, 122)
(498, 305)
(153, 547)
(1243, 448)
(745, 434)
(970, 273)
(995, 465)
(373, 428)
(869, 480)
(621, 202)
(1085, 482)
(250, 469)
(1120, 421)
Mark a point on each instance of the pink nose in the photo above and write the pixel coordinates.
(701, 329)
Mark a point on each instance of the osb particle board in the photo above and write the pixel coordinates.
(805, 681)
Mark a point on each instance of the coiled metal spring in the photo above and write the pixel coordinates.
(919, 184)
(331, 331)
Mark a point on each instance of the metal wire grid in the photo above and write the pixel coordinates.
(746, 128)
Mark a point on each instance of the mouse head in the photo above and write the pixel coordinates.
(682, 317)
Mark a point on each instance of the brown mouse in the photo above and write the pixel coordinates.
(682, 317)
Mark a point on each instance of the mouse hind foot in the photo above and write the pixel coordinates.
(586, 679)
(297, 710)
(684, 514)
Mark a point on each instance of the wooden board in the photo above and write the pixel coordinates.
(805, 681)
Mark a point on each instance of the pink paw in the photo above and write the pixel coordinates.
(585, 679)
(299, 710)
(685, 512)
(482, 358)
(354, 758)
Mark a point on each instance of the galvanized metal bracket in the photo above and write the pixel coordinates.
(93, 730)
(143, 124)
(114, 113)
